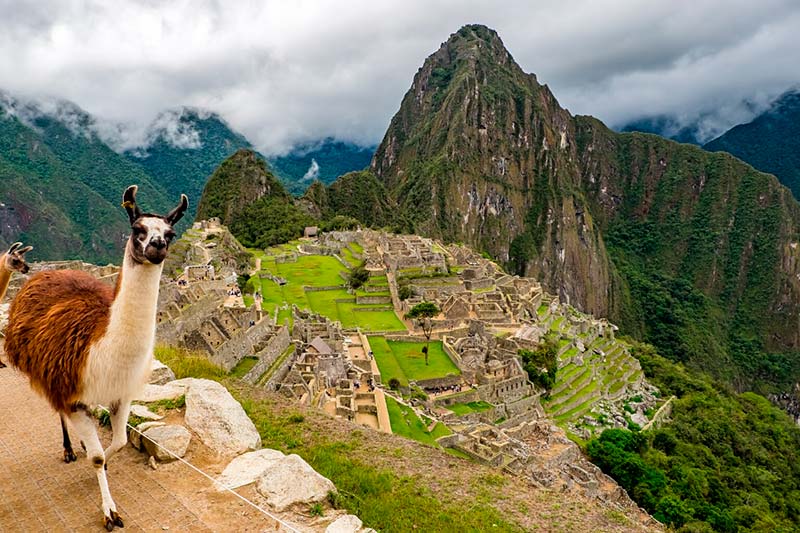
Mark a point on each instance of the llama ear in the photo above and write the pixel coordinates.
(129, 203)
(14, 247)
(23, 251)
(176, 214)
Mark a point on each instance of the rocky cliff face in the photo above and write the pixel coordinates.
(480, 152)
(695, 252)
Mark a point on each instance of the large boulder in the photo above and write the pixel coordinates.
(160, 373)
(174, 438)
(247, 468)
(217, 418)
(290, 480)
(348, 523)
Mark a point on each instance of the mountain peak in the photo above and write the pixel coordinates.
(473, 42)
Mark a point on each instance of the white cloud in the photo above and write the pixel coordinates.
(313, 171)
(288, 72)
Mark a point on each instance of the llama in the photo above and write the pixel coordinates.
(12, 261)
(83, 343)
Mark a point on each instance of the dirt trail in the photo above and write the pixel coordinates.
(39, 492)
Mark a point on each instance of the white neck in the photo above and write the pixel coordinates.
(134, 307)
(120, 361)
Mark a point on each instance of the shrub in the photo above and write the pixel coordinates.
(358, 276)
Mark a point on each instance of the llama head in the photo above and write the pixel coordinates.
(14, 258)
(151, 235)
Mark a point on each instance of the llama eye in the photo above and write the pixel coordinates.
(169, 235)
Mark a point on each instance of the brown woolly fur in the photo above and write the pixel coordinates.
(53, 321)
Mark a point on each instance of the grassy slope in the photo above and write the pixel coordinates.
(406, 423)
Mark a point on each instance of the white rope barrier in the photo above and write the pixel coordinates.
(190, 465)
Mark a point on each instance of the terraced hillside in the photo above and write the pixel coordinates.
(593, 373)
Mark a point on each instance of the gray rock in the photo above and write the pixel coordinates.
(247, 468)
(135, 437)
(291, 480)
(160, 373)
(345, 524)
(639, 418)
(217, 418)
(143, 412)
(174, 438)
(154, 393)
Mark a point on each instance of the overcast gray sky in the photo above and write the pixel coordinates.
(287, 71)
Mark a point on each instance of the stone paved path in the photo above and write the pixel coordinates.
(39, 492)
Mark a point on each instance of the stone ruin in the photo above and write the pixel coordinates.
(402, 252)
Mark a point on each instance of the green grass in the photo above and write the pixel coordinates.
(405, 361)
(470, 407)
(322, 271)
(243, 367)
(161, 406)
(405, 422)
(357, 248)
(347, 255)
(310, 270)
(324, 302)
(387, 363)
(187, 364)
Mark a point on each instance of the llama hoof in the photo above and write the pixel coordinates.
(110, 522)
(2, 364)
(69, 456)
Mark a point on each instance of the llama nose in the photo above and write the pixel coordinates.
(158, 243)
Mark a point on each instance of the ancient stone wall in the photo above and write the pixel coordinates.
(241, 344)
(276, 345)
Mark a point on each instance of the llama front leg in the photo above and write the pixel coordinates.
(119, 411)
(84, 426)
(69, 455)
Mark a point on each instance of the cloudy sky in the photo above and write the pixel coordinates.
(287, 71)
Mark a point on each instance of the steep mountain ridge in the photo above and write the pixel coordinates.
(183, 147)
(61, 185)
(479, 153)
(244, 194)
(770, 142)
(695, 252)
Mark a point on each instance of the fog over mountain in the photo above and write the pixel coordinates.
(282, 74)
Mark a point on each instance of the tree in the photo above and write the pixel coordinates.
(542, 363)
(422, 313)
(358, 276)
